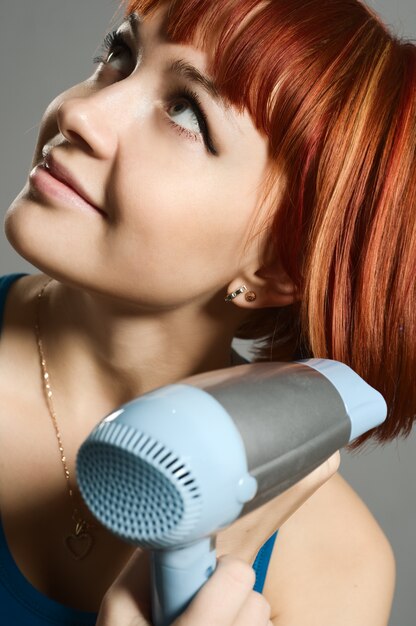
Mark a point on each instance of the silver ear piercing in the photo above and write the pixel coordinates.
(235, 293)
(250, 295)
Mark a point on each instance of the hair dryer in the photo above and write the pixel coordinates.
(167, 470)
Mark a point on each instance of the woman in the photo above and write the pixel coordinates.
(260, 150)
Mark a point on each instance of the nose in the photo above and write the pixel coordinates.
(82, 122)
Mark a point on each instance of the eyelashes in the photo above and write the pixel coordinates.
(192, 99)
(111, 41)
(114, 46)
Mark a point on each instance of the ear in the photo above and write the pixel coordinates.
(271, 286)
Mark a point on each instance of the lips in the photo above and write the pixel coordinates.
(59, 171)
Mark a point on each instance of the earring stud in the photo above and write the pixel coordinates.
(250, 296)
(235, 293)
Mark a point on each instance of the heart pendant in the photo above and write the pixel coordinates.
(79, 545)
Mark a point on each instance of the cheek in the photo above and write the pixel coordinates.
(184, 213)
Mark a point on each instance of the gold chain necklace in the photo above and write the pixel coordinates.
(79, 542)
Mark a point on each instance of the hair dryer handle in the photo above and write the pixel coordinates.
(177, 575)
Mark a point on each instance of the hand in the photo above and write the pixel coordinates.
(227, 598)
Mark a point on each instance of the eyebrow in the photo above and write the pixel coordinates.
(134, 20)
(183, 68)
(192, 74)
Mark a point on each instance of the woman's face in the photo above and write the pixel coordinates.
(176, 196)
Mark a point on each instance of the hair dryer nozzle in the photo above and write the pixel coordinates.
(366, 407)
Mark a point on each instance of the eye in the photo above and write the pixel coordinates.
(183, 114)
(114, 52)
(187, 116)
(185, 111)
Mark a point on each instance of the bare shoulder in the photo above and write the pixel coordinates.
(331, 563)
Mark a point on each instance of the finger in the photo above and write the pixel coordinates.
(255, 610)
(328, 468)
(315, 479)
(219, 601)
(286, 503)
(319, 475)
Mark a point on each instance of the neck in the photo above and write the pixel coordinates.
(101, 354)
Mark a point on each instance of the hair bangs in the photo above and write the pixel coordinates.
(245, 61)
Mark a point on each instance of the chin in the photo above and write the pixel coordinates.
(35, 235)
(18, 230)
(53, 241)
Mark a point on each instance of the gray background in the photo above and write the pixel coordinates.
(47, 46)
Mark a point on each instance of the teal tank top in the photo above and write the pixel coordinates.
(23, 605)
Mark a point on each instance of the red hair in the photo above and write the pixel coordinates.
(335, 93)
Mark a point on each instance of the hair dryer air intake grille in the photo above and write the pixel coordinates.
(137, 487)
